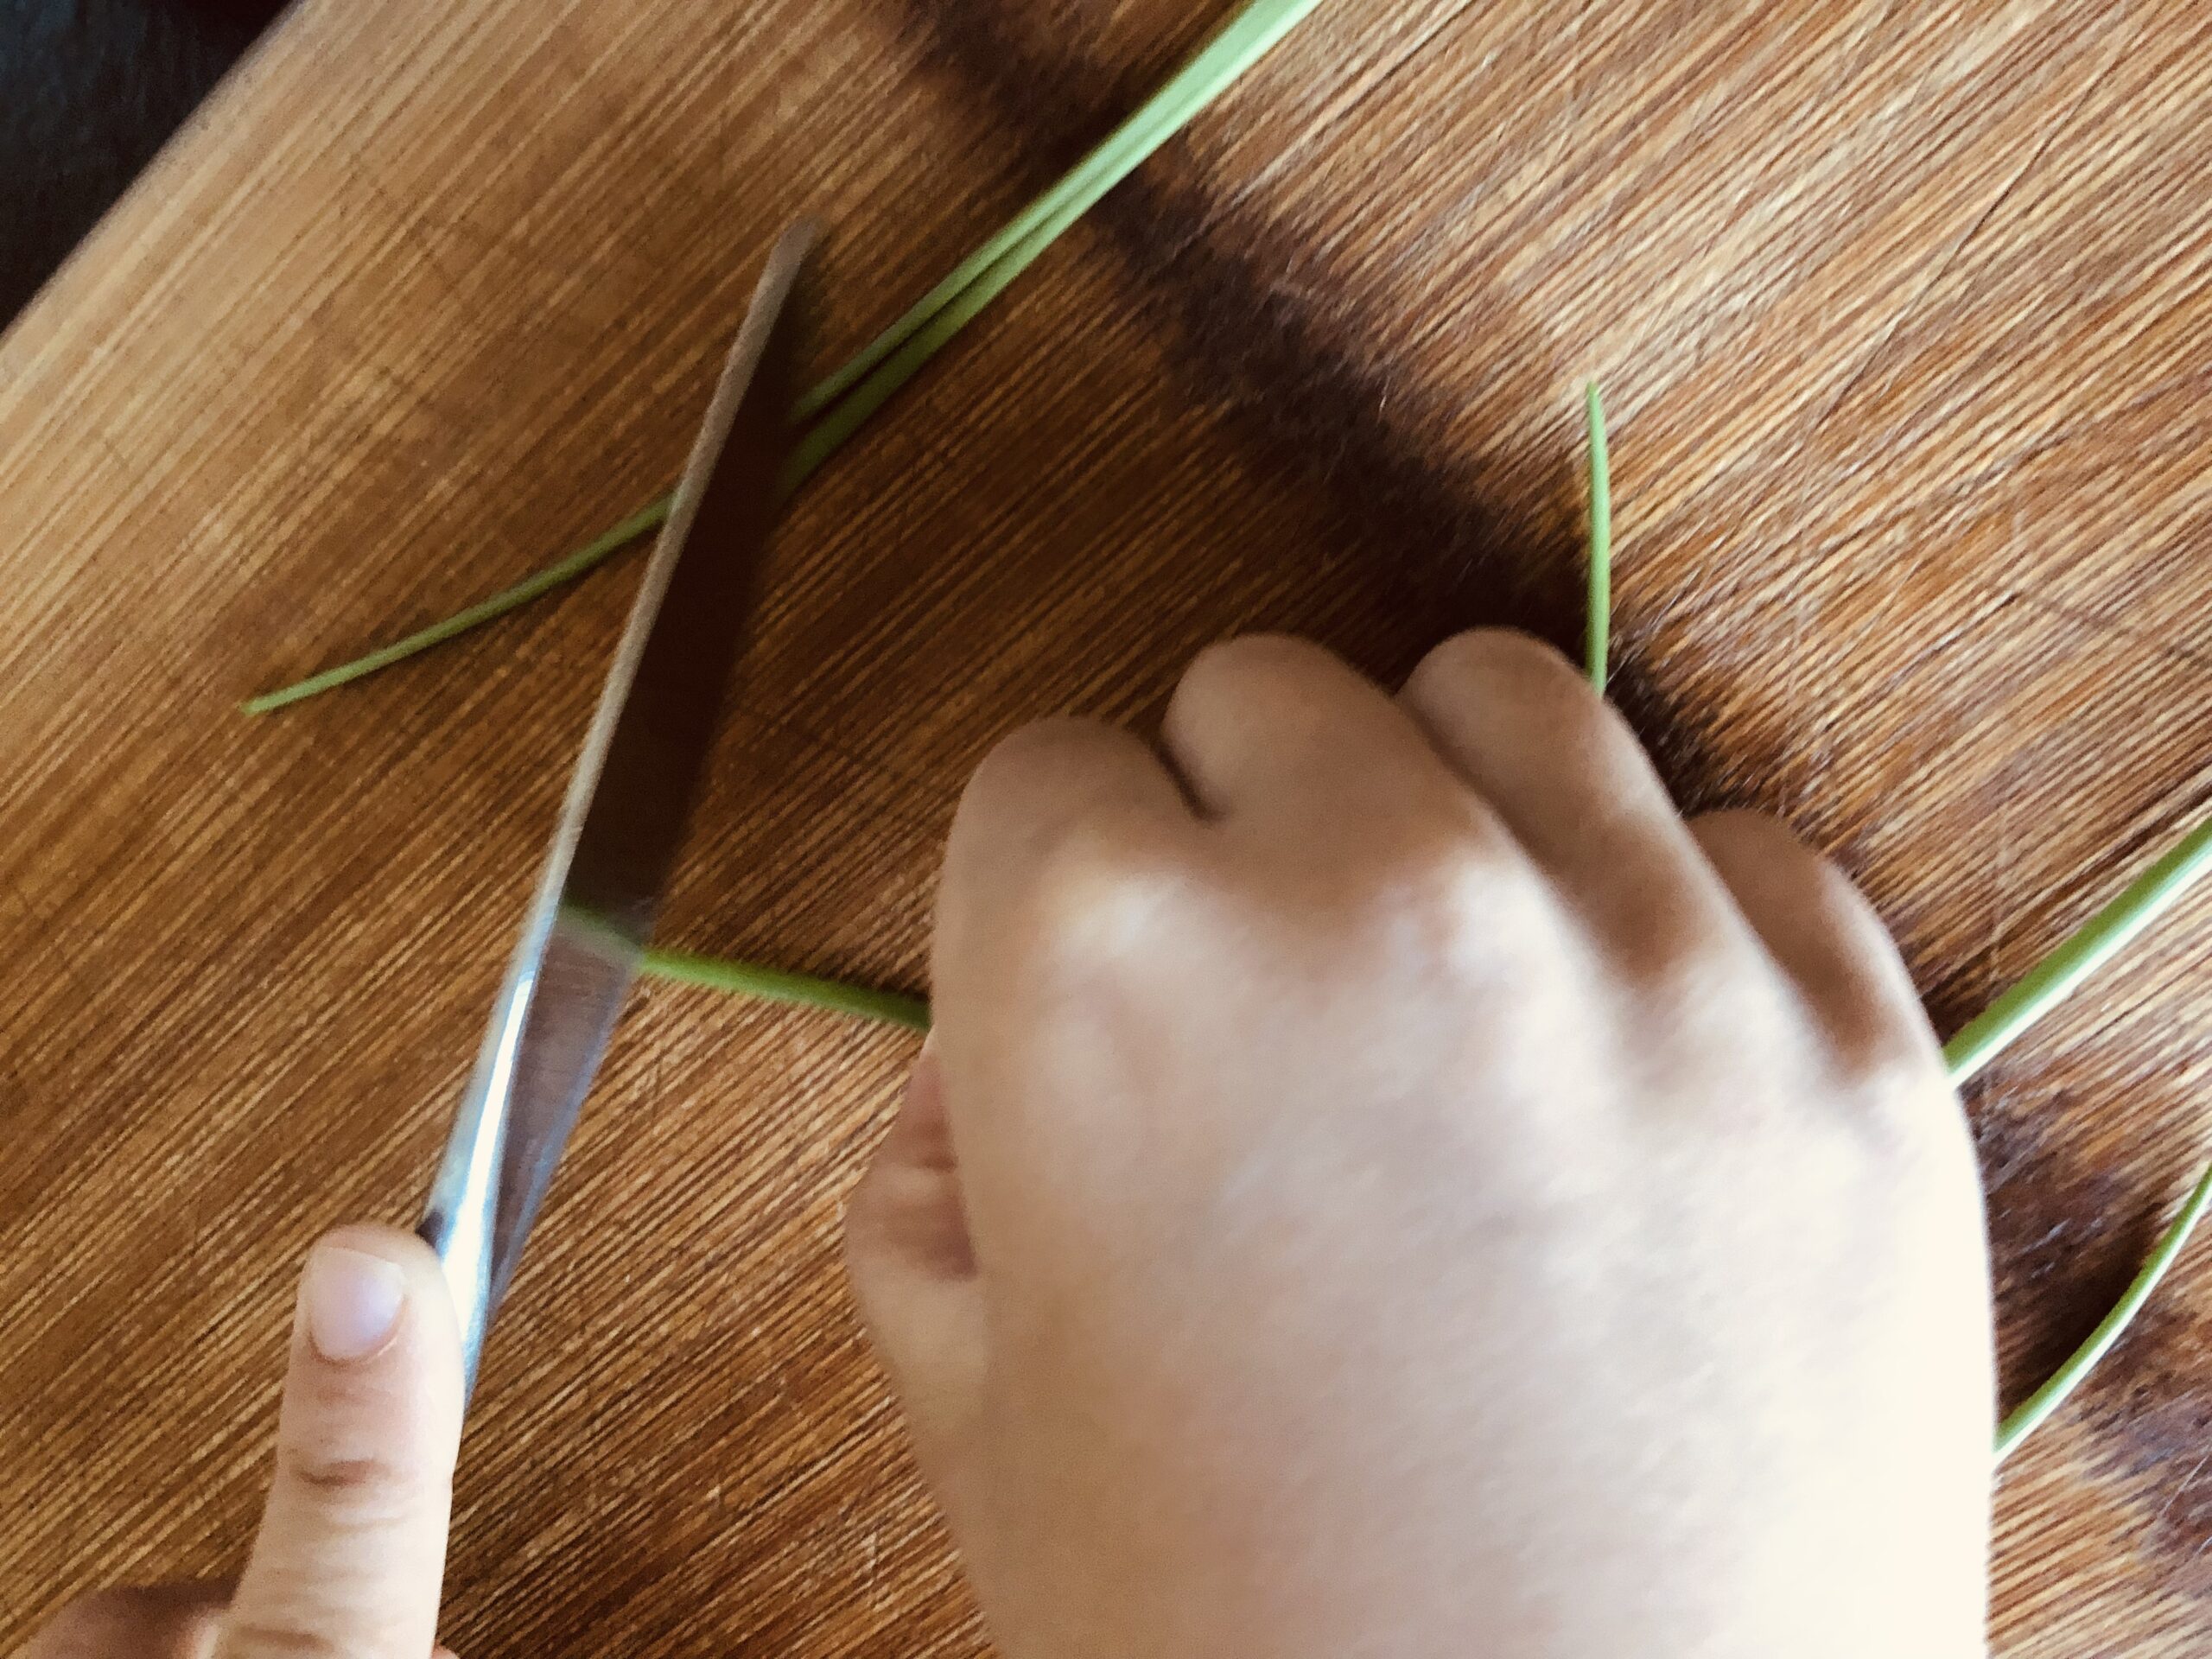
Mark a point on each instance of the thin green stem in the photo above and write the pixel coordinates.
(1241, 42)
(2032, 1411)
(2063, 971)
(2081, 954)
(847, 399)
(1597, 652)
(892, 371)
(775, 985)
(586, 558)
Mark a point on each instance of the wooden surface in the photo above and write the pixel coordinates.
(1905, 312)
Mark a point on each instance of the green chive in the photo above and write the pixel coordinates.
(2078, 955)
(2032, 1411)
(2081, 954)
(1243, 41)
(775, 985)
(1600, 621)
(587, 558)
(847, 398)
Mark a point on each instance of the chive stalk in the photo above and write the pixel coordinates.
(1598, 648)
(843, 403)
(2081, 954)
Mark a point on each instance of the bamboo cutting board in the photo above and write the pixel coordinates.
(1904, 314)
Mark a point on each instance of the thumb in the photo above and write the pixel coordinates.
(912, 1267)
(351, 1554)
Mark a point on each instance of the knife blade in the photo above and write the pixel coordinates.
(622, 824)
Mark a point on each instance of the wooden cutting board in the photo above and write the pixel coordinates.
(1905, 312)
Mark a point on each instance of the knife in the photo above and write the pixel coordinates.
(623, 821)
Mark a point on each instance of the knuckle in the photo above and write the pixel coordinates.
(902, 1218)
(1520, 679)
(1761, 833)
(364, 1489)
(1888, 1069)
(1098, 883)
(1493, 654)
(1041, 751)
(1745, 841)
(1689, 977)
(343, 1475)
(1043, 777)
(1253, 664)
(1453, 900)
(1900, 1114)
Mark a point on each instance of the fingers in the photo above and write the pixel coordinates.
(1051, 818)
(1271, 725)
(1573, 785)
(1050, 784)
(912, 1267)
(351, 1554)
(1820, 930)
(170, 1621)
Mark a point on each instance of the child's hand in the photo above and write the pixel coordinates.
(1384, 1184)
(352, 1547)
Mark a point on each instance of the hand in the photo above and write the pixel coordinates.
(351, 1548)
(1383, 1184)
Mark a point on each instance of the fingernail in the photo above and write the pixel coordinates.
(350, 1302)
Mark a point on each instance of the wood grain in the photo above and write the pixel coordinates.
(1904, 315)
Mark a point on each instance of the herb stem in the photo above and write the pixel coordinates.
(778, 985)
(2030, 1412)
(843, 402)
(1241, 42)
(2081, 954)
(1598, 651)
(586, 558)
